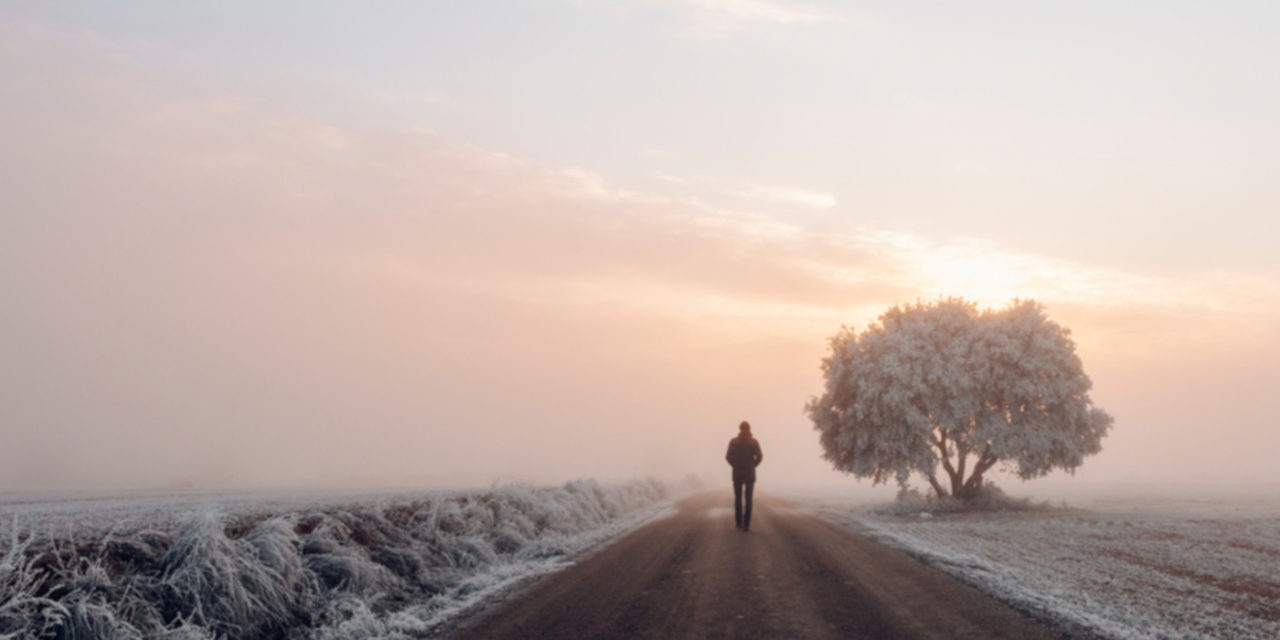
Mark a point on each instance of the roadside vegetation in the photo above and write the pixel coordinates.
(378, 569)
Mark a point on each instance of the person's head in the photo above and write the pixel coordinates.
(744, 429)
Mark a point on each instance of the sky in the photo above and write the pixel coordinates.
(324, 244)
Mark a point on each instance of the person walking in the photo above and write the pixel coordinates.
(744, 456)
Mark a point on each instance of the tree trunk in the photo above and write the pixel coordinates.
(961, 487)
(970, 489)
(933, 480)
(952, 474)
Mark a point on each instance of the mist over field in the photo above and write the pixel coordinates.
(242, 258)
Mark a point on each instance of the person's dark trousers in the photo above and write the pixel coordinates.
(741, 513)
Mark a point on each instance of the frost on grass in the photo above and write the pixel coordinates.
(1141, 570)
(990, 499)
(374, 567)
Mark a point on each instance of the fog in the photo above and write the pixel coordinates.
(202, 288)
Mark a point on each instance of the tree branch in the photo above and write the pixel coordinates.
(937, 488)
(987, 461)
(945, 455)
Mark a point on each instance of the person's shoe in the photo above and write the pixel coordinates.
(738, 525)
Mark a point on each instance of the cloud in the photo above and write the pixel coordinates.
(762, 11)
(458, 209)
(789, 195)
(752, 196)
(199, 285)
(714, 19)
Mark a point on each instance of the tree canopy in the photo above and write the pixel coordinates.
(944, 384)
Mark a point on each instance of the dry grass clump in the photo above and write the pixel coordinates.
(320, 572)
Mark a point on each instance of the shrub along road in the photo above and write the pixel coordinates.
(693, 575)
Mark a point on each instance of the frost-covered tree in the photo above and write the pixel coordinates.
(945, 385)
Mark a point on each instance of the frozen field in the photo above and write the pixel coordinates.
(297, 566)
(1132, 568)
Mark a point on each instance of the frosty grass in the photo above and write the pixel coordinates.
(300, 566)
(1119, 569)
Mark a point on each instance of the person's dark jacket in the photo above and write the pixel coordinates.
(744, 455)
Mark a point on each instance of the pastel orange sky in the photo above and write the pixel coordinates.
(209, 278)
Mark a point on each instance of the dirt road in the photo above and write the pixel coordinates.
(693, 575)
